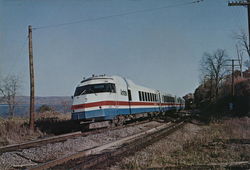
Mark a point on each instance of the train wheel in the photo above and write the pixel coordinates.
(118, 121)
(84, 127)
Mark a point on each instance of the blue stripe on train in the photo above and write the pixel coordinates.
(108, 114)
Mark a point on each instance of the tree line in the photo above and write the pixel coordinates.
(216, 74)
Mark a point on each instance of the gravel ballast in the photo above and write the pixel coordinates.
(56, 150)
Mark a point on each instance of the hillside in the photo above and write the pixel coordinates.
(50, 100)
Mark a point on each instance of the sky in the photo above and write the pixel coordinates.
(159, 47)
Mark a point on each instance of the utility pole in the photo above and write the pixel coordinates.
(32, 84)
(211, 87)
(232, 82)
(247, 4)
(231, 105)
(232, 88)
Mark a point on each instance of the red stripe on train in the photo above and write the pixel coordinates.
(120, 103)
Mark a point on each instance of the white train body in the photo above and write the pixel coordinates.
(105, 97)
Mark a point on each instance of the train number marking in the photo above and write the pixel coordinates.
(124, 92)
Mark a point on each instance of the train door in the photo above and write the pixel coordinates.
(116, 106)
(129, 100)
(159, 102)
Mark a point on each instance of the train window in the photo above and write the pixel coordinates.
(129, 95)
(112, 88)
(169, 99)
(172, 99)
(140, 95)
(95, 88)
(143, 98)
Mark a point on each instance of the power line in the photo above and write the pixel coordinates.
(115, 15)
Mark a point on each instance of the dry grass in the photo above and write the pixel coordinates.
(53, 115)
(156, 155)
(236, 128)
(16, 130)
(192, 146)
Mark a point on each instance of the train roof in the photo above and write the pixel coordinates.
(119, 79)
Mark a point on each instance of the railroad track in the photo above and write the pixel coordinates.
(59, 138)
(64, 137)
(111, 152)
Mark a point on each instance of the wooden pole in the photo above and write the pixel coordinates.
(248, 19)
(32, 88)
(232, 90)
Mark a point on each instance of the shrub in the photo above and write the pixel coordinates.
(44, 108)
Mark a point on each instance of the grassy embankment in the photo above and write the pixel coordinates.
(16, 130)
(218, 142)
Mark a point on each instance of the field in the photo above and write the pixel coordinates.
(215, 145)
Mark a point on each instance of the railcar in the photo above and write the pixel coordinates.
(104, 97)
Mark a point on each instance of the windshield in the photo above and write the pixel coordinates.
(95, 88)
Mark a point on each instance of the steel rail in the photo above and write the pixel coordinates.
(39, 142)
(109, 157)
(129, 142)
(59, 138)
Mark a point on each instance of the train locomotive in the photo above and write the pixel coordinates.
(102, 97)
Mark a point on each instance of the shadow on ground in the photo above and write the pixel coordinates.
(56, 126)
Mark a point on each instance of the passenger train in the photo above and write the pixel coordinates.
(104, 97)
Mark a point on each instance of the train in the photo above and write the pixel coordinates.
(100, 98)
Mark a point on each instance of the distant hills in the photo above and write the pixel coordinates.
(50, 100)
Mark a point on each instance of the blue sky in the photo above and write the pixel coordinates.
(159, 49)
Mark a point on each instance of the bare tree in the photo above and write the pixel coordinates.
(240, 58)
(242, 40)
(213, 67)
(9, 86)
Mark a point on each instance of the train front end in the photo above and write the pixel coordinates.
(91, 98)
